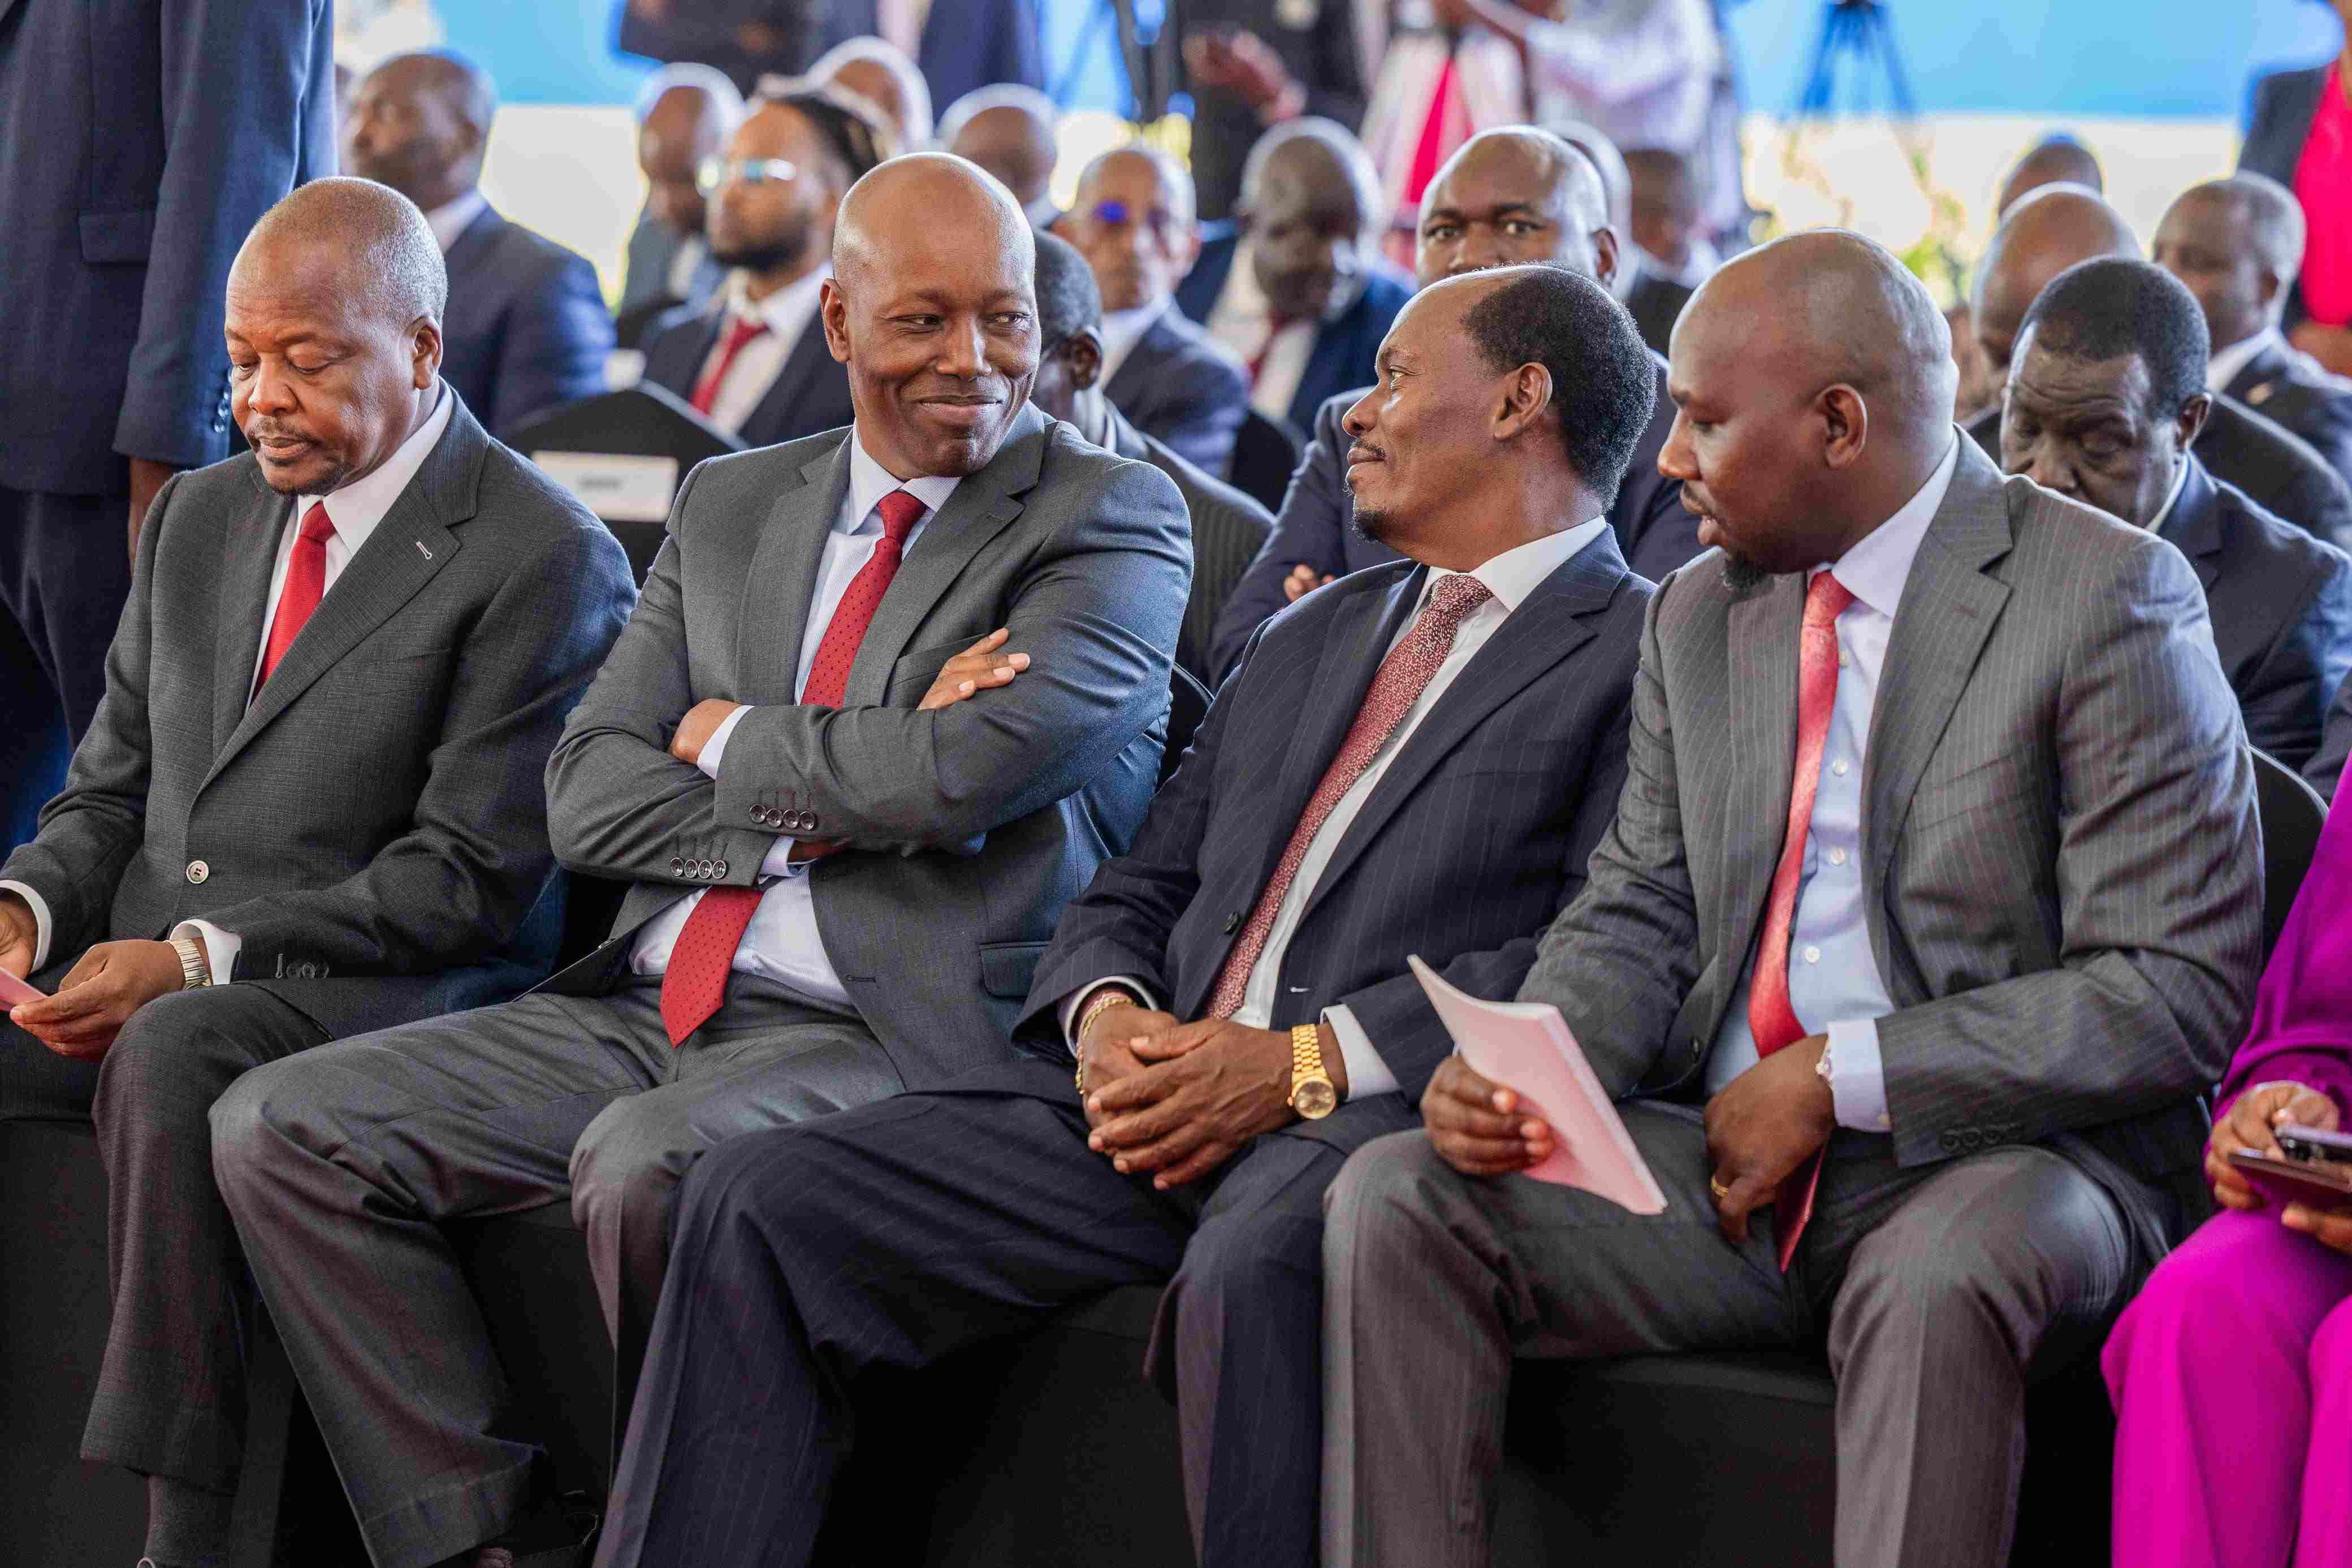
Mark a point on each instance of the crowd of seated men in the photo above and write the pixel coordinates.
(1872, 794)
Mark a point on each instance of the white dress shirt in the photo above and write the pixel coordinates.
(2223, 367)
(1835, 986)
(1243, 320)
(1122, 330)
(1511, 577)
(782, 943)
(449, 221)
(788, 312)
(354, 510)
(684, 263)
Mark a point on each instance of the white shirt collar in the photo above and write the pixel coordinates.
(1517, 572)
(869, 482)
(360, 506)
(449, 222)
(2172, 497)
(1875, 570)
(2223, 367)
(1122, 330)
(785, 311)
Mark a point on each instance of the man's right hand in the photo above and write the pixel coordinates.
(974, 671)
(1107, 1047)
(2252, 1124)
(1303, 581)
(19, 934)
(1474, 1125)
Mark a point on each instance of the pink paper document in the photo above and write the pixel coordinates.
(13, 990)
(1527, 1047)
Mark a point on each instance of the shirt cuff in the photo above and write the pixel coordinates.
(221, 947)
(1074, 1003)
(715, 747)
(1366, 1073)
(40, 922)
(1858, 1077)
(779, 862)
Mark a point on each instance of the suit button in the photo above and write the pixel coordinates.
(1232, 923)
(809, 823)
(719, 869)
(676, 866)
(702, 868)
(199, 871)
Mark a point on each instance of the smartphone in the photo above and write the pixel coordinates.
(2311, 1144)
(13, 990)
(2319, 1183)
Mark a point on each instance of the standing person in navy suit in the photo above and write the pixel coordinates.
(527, 329)
(129, 177)
(755, 363)
(959, 45)
(1417, 760)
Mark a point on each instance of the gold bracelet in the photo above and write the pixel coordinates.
(1112, 997)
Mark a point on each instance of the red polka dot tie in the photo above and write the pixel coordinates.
(306, 584)
(695, 984)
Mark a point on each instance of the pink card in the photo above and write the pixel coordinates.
(13, 990)
(1527, 1047)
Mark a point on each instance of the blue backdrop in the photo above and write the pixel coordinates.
(2165, 59)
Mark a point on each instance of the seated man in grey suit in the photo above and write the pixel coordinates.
(2238, 245)
(685, 115)
(2049, 230)
(1950, 982)
(2107, 393)
(310, 806)
(527, 328)
(1227, 526)
(1418, 760)
(1515, 195)
(754, 360)
(837, 892)
(1132, 220)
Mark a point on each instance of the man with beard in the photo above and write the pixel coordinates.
(1417, 760)
(1943, 988)
(755, 363)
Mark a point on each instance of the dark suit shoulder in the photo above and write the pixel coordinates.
(1200, 487)
(526, 254)
(2257, 541)
(1069, 459)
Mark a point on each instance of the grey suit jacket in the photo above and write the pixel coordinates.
(376, 810)
(967, 829)
(2058, 830)
(1228, 530)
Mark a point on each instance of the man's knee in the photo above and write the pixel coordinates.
(1377, 1206)
(177, 1051)
(629, 1160)
(258, 1119)
(1255, 1259)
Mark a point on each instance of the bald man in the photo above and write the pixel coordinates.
(2052, 228)
(846, 838)
(1297, 292)
(685, 115)
(2238, 245)
(1512, 195)
(311, 806)
(1132, 220)
(1009, 130)
(879, 75)
(2056, 159)
(527, 328)
(1932, 908)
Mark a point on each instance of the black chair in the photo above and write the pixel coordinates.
(1265, 454)
(2294, 813)
(624, 453)
(1188, 704)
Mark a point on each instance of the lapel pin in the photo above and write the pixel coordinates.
(422, 551)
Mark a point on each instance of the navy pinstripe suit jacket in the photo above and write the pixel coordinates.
(1474, 837)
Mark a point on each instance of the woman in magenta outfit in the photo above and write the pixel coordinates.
(2232, 1373)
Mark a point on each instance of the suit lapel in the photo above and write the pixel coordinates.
(2194, 528)
(1126, 386)
(771, 619)
(249, 557)
(1761, 648)
(681, 369)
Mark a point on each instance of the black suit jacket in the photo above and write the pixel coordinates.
(810, 394)
(1656, 303)
(1228, 530)
(2278, 472)
(1344, 348)
(1656, 532)
(2325, 771)
(1179, 387)
(527, 328)
(2282, 609)
(2284, 105)
(1472, 840)
(2298, 393)
(373, 825)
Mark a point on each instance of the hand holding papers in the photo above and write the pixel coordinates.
(13, 990)
(1527, 1046)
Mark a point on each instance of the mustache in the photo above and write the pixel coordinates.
(1372, 453)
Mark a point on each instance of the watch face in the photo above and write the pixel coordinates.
(1315, 1098)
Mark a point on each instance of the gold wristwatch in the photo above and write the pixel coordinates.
(1311, 1093)
(196, 969)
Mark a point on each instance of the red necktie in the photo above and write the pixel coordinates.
(306, 584)
(695, 984)
(1402, 676)
(1275, 327)
(1770, 1014)
(741, 334)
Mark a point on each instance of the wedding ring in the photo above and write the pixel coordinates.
(1718, 1187)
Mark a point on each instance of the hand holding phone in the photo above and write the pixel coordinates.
(2301, 1142)
(2320, 1184)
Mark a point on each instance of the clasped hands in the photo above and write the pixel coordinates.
(2252, 1124)
(1761, 1129)
(97, 996)
(1177, 1099)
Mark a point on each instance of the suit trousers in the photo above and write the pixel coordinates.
(65, 572)
(894, 1235)
(1939, 1289)
(341, 1165)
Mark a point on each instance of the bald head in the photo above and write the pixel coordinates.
(2237, 244)
(2054, 161)
(1132, 220)
(1831, 307)
(1515, 195)
(683, 126)
(421, 124)
(1009, 130)
(1616, 180)
(1313, 206)
(354, 236)
(912, 207)
(2048, 231)
(881, 74)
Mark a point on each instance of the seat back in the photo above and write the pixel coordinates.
(623, 454)
(1266, 453)
(2293, 816)
(1188, 704)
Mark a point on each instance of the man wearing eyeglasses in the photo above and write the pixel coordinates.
(753, 362)
(1133, 222)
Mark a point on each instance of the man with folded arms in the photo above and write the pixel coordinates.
(840, 880)
(1911, 1015)
(311, 805)
(1417, 761)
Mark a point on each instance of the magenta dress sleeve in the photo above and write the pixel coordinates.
(2302, 1026)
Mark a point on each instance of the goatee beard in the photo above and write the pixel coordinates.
(765, 258)
(1368, 525)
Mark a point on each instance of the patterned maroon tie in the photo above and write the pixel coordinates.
(1770, 1016)
(696, 981)
(1402, 676)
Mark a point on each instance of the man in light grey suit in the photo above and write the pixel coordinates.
(310, 806)
(841, 879)
(1932, 908)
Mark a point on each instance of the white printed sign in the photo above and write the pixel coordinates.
(617, 486)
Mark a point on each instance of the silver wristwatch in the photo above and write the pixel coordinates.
(196, 969)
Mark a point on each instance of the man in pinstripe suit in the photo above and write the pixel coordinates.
(1418, 759)
(1932, 908)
